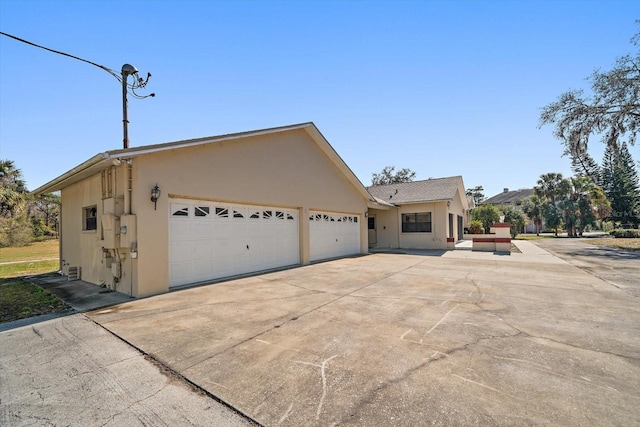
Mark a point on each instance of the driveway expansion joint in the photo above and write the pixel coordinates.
(167, 369)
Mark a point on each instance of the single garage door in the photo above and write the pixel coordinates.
(209, 240)
(333, 235)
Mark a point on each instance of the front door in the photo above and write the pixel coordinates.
(460, 228)
(373, 235)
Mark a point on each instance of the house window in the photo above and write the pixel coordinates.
(416, 222)
(90, 218)
(371, 223)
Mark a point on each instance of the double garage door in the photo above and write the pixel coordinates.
(210, 240)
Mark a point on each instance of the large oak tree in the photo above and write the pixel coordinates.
(609, 110)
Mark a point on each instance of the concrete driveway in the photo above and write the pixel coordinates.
(404, 340)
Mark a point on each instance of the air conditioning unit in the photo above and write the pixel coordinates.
(73, 273)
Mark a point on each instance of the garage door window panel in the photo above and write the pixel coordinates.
(222, 212)
(179, 210)
(201, 211)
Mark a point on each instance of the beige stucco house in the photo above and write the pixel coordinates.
(429, 214)
(227, 205)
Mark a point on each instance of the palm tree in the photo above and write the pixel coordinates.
(13, 189)
(548, 186)
(534, 208)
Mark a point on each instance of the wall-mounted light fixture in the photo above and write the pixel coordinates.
(155, 195)
(448, 203)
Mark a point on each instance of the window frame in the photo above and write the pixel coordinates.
(90, 213)
(416, 228)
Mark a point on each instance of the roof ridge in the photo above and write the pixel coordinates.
(207, 138)
(416, 182)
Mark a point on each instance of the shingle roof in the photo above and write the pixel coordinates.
(506, 197)
(429, 190)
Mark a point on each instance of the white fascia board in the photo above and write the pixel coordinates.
(64, 179)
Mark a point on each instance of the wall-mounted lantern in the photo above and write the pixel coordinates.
(155, 195)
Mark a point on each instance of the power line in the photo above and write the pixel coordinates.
(137, 82)
(127, 70)
(108, 70)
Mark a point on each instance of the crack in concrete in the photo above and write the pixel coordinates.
(324, 381)
(266, 331)
(436, 356)
(623, 356)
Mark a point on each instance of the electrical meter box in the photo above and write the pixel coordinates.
(128, 231)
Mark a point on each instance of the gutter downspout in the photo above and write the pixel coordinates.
(59, 230)
(128, 187)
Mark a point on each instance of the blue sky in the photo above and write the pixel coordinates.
(441, 87)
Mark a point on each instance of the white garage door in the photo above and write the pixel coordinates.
(209, 240)
(333, 235)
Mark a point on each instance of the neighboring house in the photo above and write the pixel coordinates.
(228, 205)
(514, 198)
(418, 214)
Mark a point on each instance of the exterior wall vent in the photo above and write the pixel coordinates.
(73, 273)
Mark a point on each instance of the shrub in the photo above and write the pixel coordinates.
(626, 233)
(40, 229)
(487, 215)
(15, 232)
(475, 227)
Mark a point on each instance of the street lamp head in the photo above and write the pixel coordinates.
(128, 70)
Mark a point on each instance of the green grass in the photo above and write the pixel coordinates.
(20, 299)
(36, 258)
(28, 268)
(34, 251)
(533, 236)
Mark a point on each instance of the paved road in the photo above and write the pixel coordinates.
(71, 372)
(617, 267)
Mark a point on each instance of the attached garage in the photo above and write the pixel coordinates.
(191, 211)
(210, 240)
(332, 235)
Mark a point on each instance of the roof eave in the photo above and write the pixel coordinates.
(417, 202)
(330, 152)
(89, 167)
